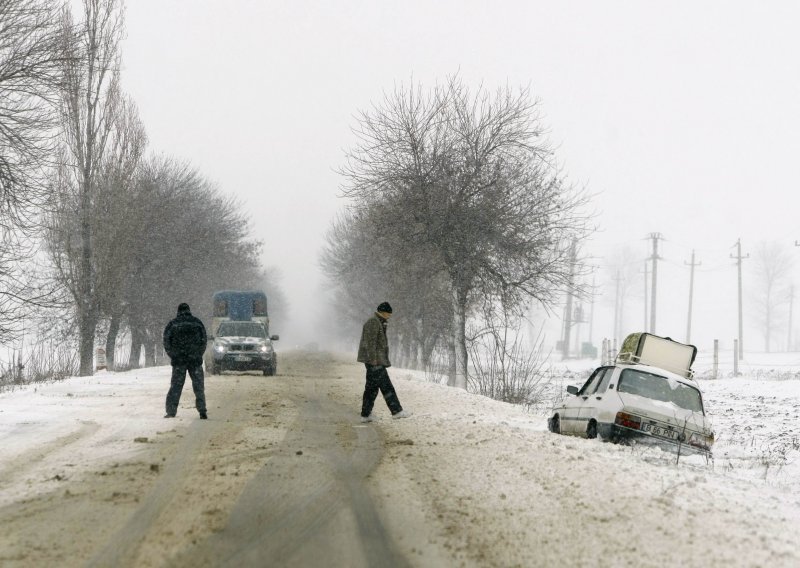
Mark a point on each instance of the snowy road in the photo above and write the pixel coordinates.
(284, 474)
(309, 505)
(277, 476)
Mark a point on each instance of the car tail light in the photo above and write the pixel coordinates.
(628, 421)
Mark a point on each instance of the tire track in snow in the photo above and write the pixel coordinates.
(122, 547)
(309, 505)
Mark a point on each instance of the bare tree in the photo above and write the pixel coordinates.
(506, 367)
(366, 266)
(469, 177)
(771, 272)
(188, 242)
(30, 64)
(90, 100)
(114, 234)
(623, 277)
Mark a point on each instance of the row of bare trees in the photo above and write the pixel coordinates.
(122, 237)
(455, 203)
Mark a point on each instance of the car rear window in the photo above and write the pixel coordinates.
(654, 386)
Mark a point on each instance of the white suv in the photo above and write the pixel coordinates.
(243, 346)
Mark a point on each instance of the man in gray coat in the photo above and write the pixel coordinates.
(373, 351)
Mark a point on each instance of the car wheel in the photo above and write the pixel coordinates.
(554, 424)
(591, 430)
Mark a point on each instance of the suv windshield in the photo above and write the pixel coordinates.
(242, 329)
(660, 388)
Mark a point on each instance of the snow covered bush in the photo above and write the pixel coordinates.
(504, 367)
(45, 362)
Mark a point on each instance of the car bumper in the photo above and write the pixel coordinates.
(236, 362)
(621, 435)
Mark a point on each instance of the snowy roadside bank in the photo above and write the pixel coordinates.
(509, 493)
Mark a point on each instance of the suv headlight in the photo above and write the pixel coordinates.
(265, 348)
(220, 348)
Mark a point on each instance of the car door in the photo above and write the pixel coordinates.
(571, 414)
(593, 397)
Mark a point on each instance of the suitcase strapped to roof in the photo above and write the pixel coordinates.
(662, 352)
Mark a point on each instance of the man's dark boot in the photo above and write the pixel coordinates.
(203, 416)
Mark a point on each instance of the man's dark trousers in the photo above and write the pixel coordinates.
(378, 379)
(176, 387)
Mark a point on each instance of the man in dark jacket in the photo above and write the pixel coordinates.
(373, 351)
(185, 342)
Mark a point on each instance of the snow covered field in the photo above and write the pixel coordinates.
(498, 488)
(756, 415)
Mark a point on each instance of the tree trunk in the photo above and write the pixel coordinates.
(451, 360)
(428, 348)
(136, 347)
(111, 341)
(419, 346)
(86, 329)
(158, 353)
(460, 338)
(458, 343)
(88, 321)
(768, 329)
(149, 353)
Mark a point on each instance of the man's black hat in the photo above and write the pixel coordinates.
(183, 308)
(385, 307)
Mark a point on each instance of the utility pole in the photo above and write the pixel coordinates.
(591, 313)
(646, 284)
(617, 323)
(578, 319)
(791, 306)
(691, 293)
(655, 258)
(568, 309)
(739, 258)
(567, 324)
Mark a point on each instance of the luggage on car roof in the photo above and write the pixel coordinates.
(662, 352)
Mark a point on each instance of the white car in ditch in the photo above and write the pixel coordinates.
(647, 395)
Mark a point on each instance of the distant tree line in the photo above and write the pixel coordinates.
(458, 216)
(119, 236)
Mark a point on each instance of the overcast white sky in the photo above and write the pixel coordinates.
(683, 117)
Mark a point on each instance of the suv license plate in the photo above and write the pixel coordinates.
(659, 431)
(242, 358)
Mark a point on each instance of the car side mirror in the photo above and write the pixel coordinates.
(274, 337)
(572, 389)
